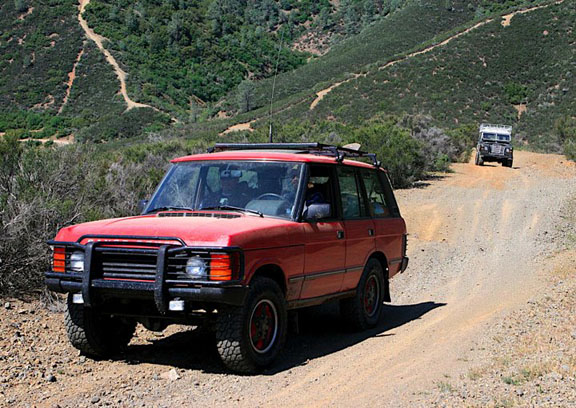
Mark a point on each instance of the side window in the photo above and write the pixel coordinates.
(320, 190)
(352, 202)
(375, 193)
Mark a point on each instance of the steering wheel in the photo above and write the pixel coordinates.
(271, 196)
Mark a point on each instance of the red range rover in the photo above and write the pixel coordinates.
(236, 238)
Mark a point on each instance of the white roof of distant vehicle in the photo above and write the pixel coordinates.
(499, 129)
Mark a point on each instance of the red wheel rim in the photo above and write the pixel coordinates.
(263, 326)
(371, 295)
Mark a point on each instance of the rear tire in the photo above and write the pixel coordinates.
(363, 311)
(249, 338)
(96, 335)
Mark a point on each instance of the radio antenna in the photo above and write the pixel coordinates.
(270, 130)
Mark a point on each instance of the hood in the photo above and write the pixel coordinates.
(195, 229)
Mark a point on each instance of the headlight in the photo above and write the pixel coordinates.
(195, 268)
(77, 261)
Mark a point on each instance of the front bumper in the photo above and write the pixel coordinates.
(492, 156)
(96, 288)
(229, 295)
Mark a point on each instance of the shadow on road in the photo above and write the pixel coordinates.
(321, 333)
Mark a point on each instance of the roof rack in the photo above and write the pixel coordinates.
(311, 148)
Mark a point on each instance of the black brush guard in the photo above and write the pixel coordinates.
(143, 284)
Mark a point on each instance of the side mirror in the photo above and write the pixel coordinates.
(317, 211)
(142, 204)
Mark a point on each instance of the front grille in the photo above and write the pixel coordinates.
(497, 149)
(140, 264)
(113, 263)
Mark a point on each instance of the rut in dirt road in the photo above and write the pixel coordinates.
(480, 238)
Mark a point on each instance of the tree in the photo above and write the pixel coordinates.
(245, 95)
(20, 5)
(369, 12)
(351, 17)
(175, 27)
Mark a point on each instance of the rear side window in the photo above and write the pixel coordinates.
(353, 205)
(375, 193)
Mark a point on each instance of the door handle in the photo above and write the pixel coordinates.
(340, 234)
(371, 232)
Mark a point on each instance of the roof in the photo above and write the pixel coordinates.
(265, 155)
(500, 129)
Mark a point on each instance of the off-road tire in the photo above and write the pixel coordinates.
(96, 335)
(507, 163)
(478, 161)
(233, 328)
(354, 310)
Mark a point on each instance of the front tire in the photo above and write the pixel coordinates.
(249, 338)
(363, 311)
(96, 335)
(507, 163)
(478, 161)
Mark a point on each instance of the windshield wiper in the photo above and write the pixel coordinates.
(169, 209)
(232, 208)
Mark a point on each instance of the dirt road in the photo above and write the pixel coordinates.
(480, 242)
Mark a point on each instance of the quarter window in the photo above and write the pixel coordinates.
(375, 194)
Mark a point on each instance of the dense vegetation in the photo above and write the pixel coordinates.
(40, 42)
(408, 27)
(188, 52)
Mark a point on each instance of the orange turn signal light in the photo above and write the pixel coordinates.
(59, 260)
(221, 267)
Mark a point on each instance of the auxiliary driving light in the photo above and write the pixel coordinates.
(176, 305)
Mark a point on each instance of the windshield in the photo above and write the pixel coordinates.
(269, 188)
(495, 137)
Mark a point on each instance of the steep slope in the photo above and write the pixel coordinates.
(520, 72)
(54, 83)
(38, 47)
(419, 21)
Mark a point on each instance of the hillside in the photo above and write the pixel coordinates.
(54, 82)
(512, 68)
(519, 72)
(417, 22)
(176, 57)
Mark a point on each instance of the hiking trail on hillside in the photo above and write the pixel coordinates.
(120, 73)
(506, 19)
